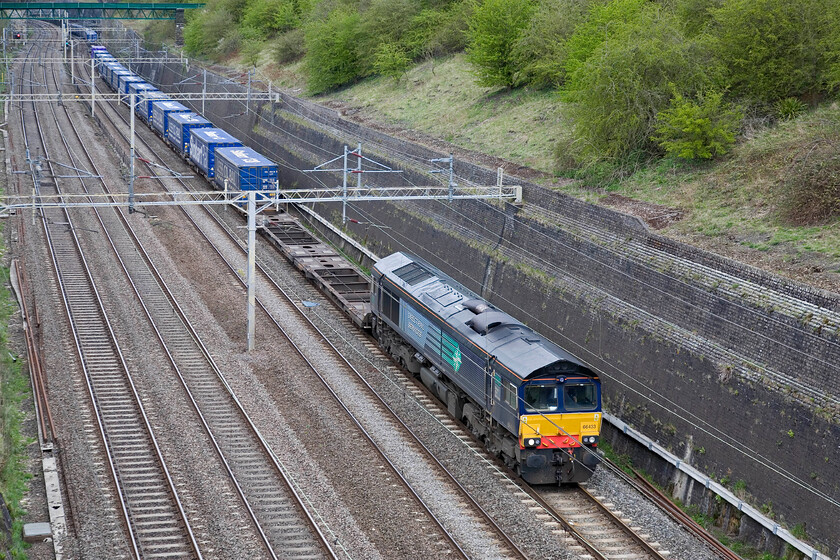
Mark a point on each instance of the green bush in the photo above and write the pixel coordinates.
(616, 93)
(540, 51)
(391, 60)
(494, 30)
(384, 22)
(289, 46)
(700, 129)
(437, 32)
(772, 49)
(271, 16)
(251, 51)
(789, 108)
(205, 30)
(601, 22)
(696, 15)
(332, 59)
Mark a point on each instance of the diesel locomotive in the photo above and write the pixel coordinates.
(531, 402)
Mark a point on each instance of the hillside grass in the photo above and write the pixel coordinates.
(441, 98)
(730, 206)
(733, 200)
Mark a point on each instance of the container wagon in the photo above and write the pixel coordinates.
(115, 78)
(244, 169)
(203, 145)
(180, 125)
(140, 88)
(106, 68)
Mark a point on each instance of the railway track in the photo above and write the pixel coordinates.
(155, 520)
(502, 539)
(597, 537)
(612, 531)
(274, 505)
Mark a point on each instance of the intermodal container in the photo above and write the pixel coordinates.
(146, 103)
(106, 69)
(115, 77)
(180, 125)
(203, 145)
(140, 90)
(242, 168)
(126, 79)
(161, 111)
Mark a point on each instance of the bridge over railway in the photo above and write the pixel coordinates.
(93, 10)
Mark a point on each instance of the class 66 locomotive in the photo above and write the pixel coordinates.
(532, 403)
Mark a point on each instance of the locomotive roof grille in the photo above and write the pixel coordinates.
(412, 274)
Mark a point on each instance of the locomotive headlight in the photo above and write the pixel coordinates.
(532, 442)
(590, 439)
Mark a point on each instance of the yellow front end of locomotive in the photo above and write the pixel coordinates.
(553, 431)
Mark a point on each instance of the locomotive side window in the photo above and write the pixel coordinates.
(540, 398)
(510, 395)
(390, 305)
(580, 396)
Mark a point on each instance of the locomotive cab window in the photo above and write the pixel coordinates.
(540, 398)
(580, 396)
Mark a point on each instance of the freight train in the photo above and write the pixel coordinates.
(533, 404)
(190, 135)
(83, 33)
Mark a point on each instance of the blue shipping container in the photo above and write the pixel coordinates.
(138, 87)
(161, 111)
(106, 69)
(180, 125)
(203, 144)
(146, 102)
(126, 79)
(115, 78)
(111, 74)
(244, 169)
(141, 90)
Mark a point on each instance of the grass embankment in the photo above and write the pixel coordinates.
(14, 392)
(736, 205)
